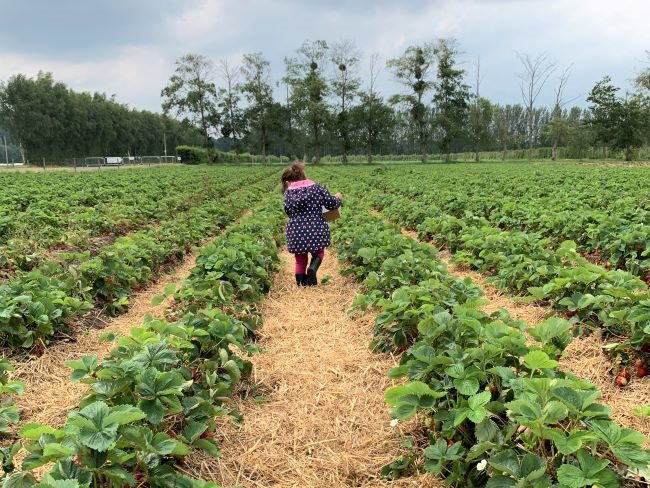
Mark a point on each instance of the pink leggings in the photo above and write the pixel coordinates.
(303, 259)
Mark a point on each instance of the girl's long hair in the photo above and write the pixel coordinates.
(295, 172)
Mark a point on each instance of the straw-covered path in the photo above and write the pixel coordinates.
(323, 421)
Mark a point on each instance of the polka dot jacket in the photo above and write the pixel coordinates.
(307, 230)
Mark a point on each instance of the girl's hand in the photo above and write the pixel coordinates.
(339, 196)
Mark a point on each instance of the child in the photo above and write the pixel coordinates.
(307, 230)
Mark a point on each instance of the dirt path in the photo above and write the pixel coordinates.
(50, 395)
(323, 422)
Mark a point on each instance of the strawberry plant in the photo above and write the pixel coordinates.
(159, 393)
(497, 411)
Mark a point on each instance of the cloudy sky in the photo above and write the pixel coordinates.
(128, 47)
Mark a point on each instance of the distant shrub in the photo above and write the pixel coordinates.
(192, 154)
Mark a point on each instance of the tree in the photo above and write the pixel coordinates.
(618, 121)
(502, 130)
(413, 70)
(345, 83)
(370, 111)
(481, 116)
(228, 98)
(191, 92)
(373, 120)
(559, 128)
(603, 109)
(536, 73)
(477, 127)
(451, 97)
(309, 89)
(642, 80)
(259, 93)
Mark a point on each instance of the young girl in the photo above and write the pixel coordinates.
(307, 230)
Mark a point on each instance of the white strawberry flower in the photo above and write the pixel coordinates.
(394, 422)
(481, 465)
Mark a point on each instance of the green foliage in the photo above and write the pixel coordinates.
(53, 121)
(192, 94)
(37, 303)
(619, 122)
(158, 394)
(451, 97)
(499, 411)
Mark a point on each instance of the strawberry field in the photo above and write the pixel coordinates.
(478, 399)
(493, 406)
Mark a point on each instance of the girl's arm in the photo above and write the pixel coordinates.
(288, 207)
(330, 202)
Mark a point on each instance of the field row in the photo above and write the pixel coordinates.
(604, 210)
(493, 409)
(589, 292)
(37, 304)
(45, 215)
(158, 395)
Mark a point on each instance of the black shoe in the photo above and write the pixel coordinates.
(312, 280)
(301, 279)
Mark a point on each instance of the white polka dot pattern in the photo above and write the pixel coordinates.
(307, 230)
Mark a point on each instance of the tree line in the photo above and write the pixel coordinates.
(329, 107)
(46, 119)
(329, 104)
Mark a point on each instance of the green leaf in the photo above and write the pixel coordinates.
(506, 462)
(209, 446)
(57, 451)
(124, 414)
(34, 431)
(486, 430)
(93, 430)
(536, 360)
(467, 386)
(500, 481)
(591, 471)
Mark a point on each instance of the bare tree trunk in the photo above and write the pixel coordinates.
(557, 110)
(536, 73)
(477, 114)
(373, 78)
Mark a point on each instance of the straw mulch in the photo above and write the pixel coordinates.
(50, 395)
(586, 359)
(323, 421)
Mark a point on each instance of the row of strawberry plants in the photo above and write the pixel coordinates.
(528, 264)
(603, 210)
(37, 304)
(494, 410)
(43, 214)
(158, 394)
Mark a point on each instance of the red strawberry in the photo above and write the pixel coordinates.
(450, 442)
(621, 381)
(625, 374)
(641, 371)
